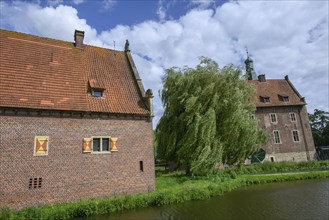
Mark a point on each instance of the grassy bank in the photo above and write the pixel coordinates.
(175, 188)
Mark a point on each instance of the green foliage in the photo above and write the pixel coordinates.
(268, 168)
(319, 122)
(5, 213)
(171, 188)
(207, 119)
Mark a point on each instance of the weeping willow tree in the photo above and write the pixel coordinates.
(208, 118)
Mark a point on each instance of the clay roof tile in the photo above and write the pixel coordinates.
(43, 73)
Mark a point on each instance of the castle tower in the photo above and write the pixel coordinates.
(251, 74)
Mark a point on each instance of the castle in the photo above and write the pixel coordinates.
(282, 113)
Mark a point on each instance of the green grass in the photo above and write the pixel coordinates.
(176, 188)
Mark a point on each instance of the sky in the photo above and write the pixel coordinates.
(283, 37)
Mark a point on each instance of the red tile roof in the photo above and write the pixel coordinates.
(275, 89)
(43, 73)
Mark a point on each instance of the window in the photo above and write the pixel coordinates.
(97, 93)
(41, 145)
(266, 99)
(276, 135)
(292, 117)
(273, 118)
(101, 144)
(295, 136)
(141, 167)
(285, 98)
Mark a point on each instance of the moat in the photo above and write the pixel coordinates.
(290, 200)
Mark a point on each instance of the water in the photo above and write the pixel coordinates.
(292, 200)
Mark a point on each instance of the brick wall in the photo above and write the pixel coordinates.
(67, 173)
(287, 150)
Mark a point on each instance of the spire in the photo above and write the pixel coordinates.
(250, 67)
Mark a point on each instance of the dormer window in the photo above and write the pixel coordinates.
(97, 93)
(96, 88)
(266, 99)
(285, 98)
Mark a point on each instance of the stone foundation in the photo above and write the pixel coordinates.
(292, 156)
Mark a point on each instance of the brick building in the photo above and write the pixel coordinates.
(282, 113)
(75, 122)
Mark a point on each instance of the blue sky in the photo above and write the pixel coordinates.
(283, 37)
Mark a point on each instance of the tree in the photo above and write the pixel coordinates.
(319, 122)
(208, 117)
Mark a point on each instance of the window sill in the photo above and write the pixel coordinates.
(107, 152)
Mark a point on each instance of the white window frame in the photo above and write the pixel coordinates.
(101, 145)
(276, 119)
(93, 91)
(274, 136)
(293, 135)
(294, 115)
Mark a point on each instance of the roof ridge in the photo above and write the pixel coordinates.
(55, 40)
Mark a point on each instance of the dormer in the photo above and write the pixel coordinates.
(265, 99)
(98, 93)
(283, 98)
(96, 89)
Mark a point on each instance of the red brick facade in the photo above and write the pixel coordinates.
(55, 97)
(289, 137)
(67, 173)
(288, 149)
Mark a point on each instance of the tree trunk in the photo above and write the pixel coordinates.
(188, 170)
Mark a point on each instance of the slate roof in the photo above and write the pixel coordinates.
(275, 89)
(43, 73)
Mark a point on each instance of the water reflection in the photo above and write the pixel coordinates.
(292, 200)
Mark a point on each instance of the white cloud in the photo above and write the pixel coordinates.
(77, 2)
(161, 12)
(203, 3)
(52, 22)
(54, 2)
(282, 37)
(108, 4)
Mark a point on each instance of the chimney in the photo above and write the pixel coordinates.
(262, 78)
(78, 38)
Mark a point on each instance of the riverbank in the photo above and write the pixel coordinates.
(177, 188)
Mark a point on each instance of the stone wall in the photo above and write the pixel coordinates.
(293, 156)
(67, 173)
